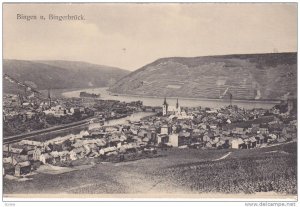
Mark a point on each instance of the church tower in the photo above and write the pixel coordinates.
(49, 98)
(165, 107)
(178, 108)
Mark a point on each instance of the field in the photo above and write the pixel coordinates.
(177, 171)
(262, 172)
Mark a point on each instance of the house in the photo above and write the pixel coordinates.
(224, 142)
(250, 142)
(22, 168)
(221, 144)
(8, 160)
(79, 151)
(133, 131)
(272, 137)
(162, 138)
(260, 139)
(55, 157)
(211, 143)
(142, 133)
(255, 130)
(35, 164)
(95, 125)
(31, 143)
(127, 148)
(203, 126)
(30, 154)
(237, 143)
(45, 158)
(238, 130)
(206, 138)
(111, 129)
(64, 156)
(57, 111)
(183, 115)
(98, 142)
(73, 110)
(8, 169)
(213, 127)
(107, 150)
(151, 135)
(174, 140)
(165, 129)
(281, 140)
(14, 152)
(184, 138)
(264, 130)
(73, 155)
(226, 133)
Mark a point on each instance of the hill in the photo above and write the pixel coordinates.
(248, 76)
(179, 171)
(59, 74)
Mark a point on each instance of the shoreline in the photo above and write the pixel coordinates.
(172, 97)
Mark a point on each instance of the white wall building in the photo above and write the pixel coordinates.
(173, 140)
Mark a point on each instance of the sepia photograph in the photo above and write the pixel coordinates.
(150, 101)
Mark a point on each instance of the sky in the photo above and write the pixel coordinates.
(132, 35)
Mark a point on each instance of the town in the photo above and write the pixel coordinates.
(162, 128)
(22, 114)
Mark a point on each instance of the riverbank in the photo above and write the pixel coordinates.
(184, 101)
(271, 101)
(198, 99)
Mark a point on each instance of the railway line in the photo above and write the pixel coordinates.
(19, 137)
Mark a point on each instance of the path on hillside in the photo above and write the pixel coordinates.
(223, 157)
(277, 144)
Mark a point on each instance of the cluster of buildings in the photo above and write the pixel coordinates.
(35, 114)
(173, 126)
(227, 127)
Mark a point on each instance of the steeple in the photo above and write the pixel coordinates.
(165, 101)
(49, 98)
(165, 107)
(177, 104)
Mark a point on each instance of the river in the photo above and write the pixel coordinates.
(187, 102)
(134, 117)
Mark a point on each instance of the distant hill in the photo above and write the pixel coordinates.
(249, 76)
(58, 74)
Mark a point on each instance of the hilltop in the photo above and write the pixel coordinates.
(247, 76)
(58, 74)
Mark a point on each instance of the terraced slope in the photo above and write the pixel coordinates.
(249, 76)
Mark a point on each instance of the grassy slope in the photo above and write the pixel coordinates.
(177, 171)
(59, 74)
